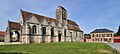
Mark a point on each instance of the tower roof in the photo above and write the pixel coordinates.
(62, 8)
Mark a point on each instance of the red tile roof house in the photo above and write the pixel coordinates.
(2, 35)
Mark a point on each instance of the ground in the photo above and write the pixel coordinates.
(58, 48)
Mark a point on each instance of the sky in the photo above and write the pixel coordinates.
(89, 14)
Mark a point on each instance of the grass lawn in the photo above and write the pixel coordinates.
(58, 48)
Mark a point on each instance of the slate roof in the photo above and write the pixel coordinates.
(14, 25)
(101, 31)
(62, 8)
(2, 33)
(71, 24)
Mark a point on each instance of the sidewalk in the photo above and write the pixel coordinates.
(115, 46)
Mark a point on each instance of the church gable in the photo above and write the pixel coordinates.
(52, 24)
(60, 25)
(33, 19)
(65, 26)
(44, 22)
(25, 15)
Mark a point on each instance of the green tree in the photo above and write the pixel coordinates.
(115, 34)
(118, 32)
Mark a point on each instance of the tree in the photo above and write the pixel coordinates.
(115, 34)
(118, 32)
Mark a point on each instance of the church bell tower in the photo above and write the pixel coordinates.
(61, 14)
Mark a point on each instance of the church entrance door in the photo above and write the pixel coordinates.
(43, 34)
(52, 34)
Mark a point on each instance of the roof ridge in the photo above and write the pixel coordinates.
(13, 22)
(35, 14)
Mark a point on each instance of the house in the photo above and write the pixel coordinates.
(102, 35)
(2, 34)
(36, 28)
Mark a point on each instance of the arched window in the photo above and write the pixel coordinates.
(97, 35)
(43, 30)
(65, 32)
(34, 29)
(76, 34)
(18, 36)
(93, 35)
(52, 31)
(52, 34)
(14, 36)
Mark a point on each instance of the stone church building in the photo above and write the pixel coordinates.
(35, 28)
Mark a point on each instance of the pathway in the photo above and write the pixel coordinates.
(115, 46)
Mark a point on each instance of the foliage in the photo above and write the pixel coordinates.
(86, 34)
(115, 34)
(118, 32)
(58, 48)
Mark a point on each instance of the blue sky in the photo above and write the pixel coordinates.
(89, 14)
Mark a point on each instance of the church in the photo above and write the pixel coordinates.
(35, 28)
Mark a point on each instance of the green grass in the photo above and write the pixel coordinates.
(58, 48)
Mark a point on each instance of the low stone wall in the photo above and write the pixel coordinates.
(36, 39)
(47, 39)
(68, 39)
(25, 40)
(3, 43)
(41, 39)
(62, 39)
(55, 39)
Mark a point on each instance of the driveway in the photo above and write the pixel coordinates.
(115, 46)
